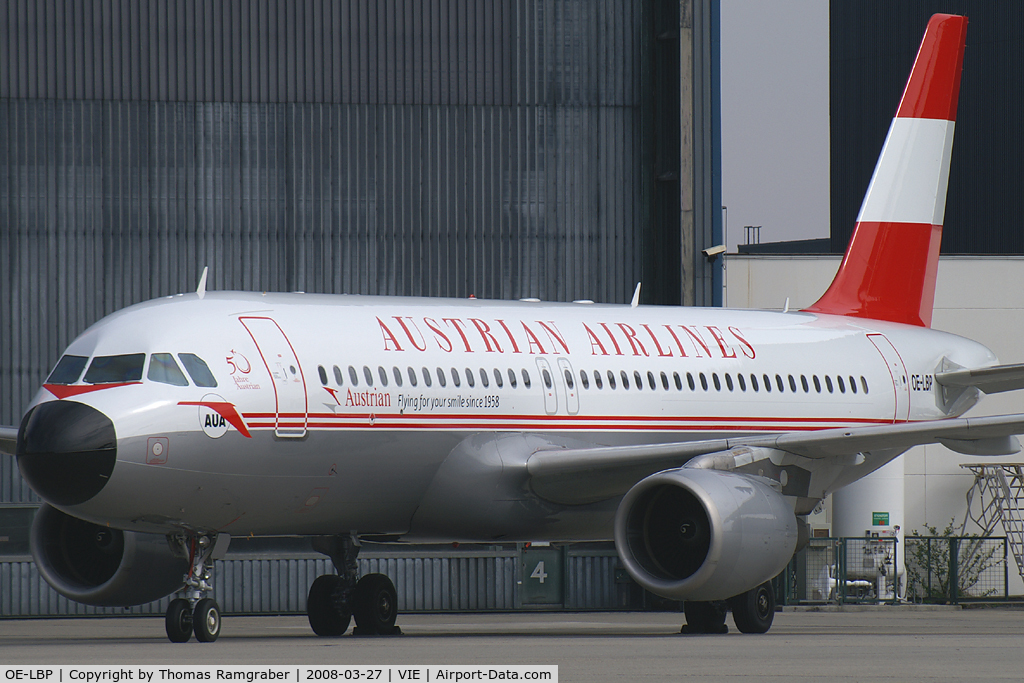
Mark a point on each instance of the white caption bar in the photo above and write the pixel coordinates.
(297, 673)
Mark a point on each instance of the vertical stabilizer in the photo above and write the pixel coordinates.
(889, 269)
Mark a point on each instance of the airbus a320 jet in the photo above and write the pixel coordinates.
(699, 439)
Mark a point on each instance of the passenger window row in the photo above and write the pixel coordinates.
(840, 384)
(427, 376)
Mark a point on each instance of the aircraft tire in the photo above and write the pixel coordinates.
(704, 617)
(754, 610)
(178, 621)
(206, 620)
(325, 618)
(376, 605)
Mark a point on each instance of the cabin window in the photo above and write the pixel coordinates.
(512, 378)
(368, 376)
(456, 380)
(337, 376)
(584, 379)
(107, 369)
(863, 384)
(546, 377)
(625, 379)
(803, 383)
(828, 383)
(611, 379)
(637, 380)
(779, 384)
(728, 381)
(842, 385)
(412, 376)
(469, 378)
(689, 380)
(163, 369)
(68, 370)
(678, 380)
(743, 383)
(718, 384)
(197, 369)
(568, 379)
(319, 369)
(817, 384)
(664, 381)
(398, 375)
(353, 377)
(383, 374)
(767, 381)
(792, 384)
(597, 379)
(703, 382)
(526, 378)
(650, 380)
(426, 376)
(441, 378)
(853, 384)
(483, 378)
(497, 378)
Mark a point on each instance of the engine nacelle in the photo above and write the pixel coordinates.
(693, 534)
(100, 566)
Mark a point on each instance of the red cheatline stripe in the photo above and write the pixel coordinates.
(489, 419)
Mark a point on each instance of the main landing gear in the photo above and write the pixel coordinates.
(752, 611)
(194, 613)
(335, 598)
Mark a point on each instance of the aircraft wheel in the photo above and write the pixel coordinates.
(754, 610)
(376, 605)
(206, 620)
(178, 621)
(325, 616)
(704, 617)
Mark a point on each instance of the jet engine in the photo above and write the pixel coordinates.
(693, 534)
(101, 566)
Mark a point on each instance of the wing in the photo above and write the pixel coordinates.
(991, 380)
(589, 474)
(8, 440)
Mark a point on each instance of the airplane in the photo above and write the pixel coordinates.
(699, 439)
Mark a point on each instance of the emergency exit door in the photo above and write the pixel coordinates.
(290, 406)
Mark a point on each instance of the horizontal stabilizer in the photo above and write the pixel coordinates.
(585, 475)
(8, 440)
(990, 380)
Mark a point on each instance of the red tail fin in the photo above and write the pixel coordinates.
(889, 269)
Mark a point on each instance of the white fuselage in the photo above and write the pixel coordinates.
(345, 418)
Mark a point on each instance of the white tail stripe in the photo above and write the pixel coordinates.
(909, 182)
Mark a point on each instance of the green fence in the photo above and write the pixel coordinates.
(938, 570)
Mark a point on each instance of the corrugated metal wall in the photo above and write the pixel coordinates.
(425, 581)
(454, 147)
(873, 44)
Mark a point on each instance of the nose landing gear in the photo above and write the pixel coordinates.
(195, 613)
(334, 599)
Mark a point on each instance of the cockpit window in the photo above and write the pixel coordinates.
(163, 369)
(68, 370)
(110, 369)
(197, 370)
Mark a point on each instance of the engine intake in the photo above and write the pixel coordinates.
(692, 534)
(100, 566)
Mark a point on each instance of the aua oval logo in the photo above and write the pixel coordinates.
(212, 422)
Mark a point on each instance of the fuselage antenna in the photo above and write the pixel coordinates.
(636, 297)
(201, 289)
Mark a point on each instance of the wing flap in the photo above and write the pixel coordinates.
(991, 380)
(586, 475)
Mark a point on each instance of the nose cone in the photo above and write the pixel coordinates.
(66, 451)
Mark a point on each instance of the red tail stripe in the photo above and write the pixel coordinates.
(939, 61)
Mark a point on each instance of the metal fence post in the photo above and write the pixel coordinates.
(954, 570)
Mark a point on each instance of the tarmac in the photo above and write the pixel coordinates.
(886, 643)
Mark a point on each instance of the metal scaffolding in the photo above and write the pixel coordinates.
(997, 497)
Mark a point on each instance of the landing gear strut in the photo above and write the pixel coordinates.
(194, 612)
(335, 598)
